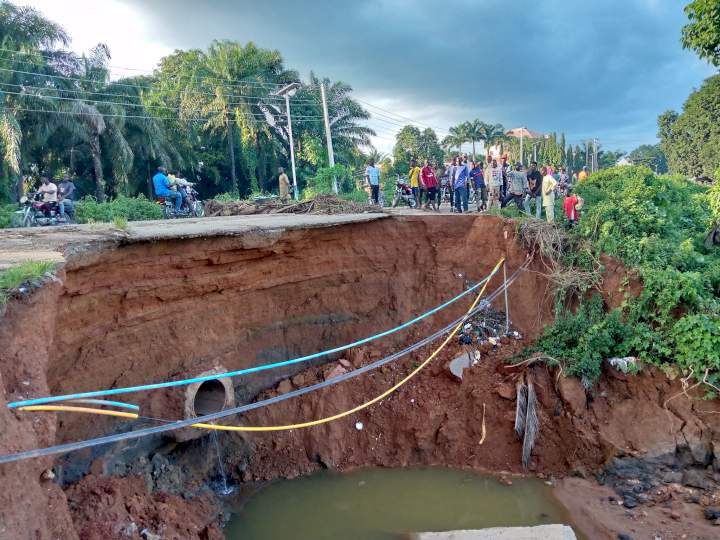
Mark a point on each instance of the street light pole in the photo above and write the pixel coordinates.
(292, 144)
(328, 135)
(287, 91)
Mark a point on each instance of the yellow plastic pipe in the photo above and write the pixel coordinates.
(70, 408)
(367, 403)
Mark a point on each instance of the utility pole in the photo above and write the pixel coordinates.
(328, 135)
(595, 160)
(288, 91)
(587, 153)
(522, 157)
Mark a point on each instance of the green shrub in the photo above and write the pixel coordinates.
(7, 212)
(14, 277)
(655, 225)
(697, 343)
(88, 210)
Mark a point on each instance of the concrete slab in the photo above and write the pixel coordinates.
(56, 243)
(541, 532)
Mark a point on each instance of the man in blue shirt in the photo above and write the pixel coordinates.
(372, 173)
(161, 183)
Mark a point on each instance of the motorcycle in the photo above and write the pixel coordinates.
(403, 192)
(192, 202)
(192, 205)
(34, 212)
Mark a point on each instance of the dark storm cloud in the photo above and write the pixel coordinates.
(591, 68)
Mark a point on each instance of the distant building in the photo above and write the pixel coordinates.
(624, 161)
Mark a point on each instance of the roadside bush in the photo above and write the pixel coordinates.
(6, 215)
(88, 210)
(656, 225)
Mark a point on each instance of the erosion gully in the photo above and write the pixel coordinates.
(164, 302)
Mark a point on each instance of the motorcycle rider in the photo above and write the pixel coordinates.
(161, 183)
(67, 196)
(49, 191)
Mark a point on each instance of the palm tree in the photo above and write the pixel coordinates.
(24, 30)
(461, 134)
(492, 134)
(475, 131)
(375, 155)
(345, 116)
(241, 79)
(450, 143)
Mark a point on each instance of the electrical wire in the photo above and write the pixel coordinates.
(171, 425)
(274, 365)
(71, 408)
(386, 393)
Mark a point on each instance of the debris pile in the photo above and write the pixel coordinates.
(322, 204)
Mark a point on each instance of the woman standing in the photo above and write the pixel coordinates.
(548, 194)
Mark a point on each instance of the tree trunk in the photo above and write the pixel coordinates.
(260, 163)
(231, 150)
(97, 167)
(19, 183)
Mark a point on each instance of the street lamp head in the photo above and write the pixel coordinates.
(288, 89)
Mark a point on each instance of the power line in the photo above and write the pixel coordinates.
(265, 85)
(96, 102)
(240, 83)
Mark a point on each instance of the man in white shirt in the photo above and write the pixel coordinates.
(48, 190)
(372, 174)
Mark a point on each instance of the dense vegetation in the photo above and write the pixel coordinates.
(656, 225)
(213, 115)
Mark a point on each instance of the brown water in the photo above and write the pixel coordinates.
(384, 504)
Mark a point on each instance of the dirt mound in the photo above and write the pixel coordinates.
(322, 204)
(113, 507)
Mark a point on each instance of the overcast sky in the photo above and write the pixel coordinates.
(590, 68)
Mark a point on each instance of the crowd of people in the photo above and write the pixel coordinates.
(493, 184)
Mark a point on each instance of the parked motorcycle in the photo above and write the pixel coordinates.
(34, 212)
(403, 192)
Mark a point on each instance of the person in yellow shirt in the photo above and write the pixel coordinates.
(414, 177)
(583, 174)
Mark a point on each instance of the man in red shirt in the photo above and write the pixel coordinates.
(430, 183)
(570, 205)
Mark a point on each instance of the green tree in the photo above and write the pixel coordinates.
(702, 34)
(691, 139)
(26, 31)
(650, 155)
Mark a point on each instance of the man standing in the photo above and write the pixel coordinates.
(477, 180)
(583, 174)
(161, 183)
(535, 185)
(494, 181)
(517, 186)
(284, 187)
(372, 175)
(429, 181)
(460, 180)
(414, 177)
(548, 194)
(67, 196)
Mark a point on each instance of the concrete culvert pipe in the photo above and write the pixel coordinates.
(210, 397)
(205, 398)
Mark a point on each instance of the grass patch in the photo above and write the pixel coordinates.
(13, 278)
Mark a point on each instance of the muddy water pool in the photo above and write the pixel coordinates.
(386, 504)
